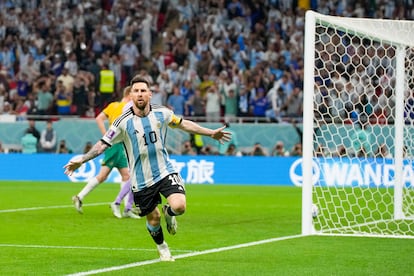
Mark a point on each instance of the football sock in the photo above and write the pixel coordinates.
(156, 233)
(92, 183)
(171, 212)
(130, 200)
(126, 187)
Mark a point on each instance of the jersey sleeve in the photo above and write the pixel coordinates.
(127, 106)
(172, 119)
(175, 121)
(113, 135)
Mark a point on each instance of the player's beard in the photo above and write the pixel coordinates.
(141, 104)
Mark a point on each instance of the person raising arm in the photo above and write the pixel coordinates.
(142, 131)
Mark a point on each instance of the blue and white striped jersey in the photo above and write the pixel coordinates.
(144, 142)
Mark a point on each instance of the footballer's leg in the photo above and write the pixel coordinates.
(92, 184)
(172, 187)
(155, 229)
(175, 207)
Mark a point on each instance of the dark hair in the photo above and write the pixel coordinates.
(139, 78)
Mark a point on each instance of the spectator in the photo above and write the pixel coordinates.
(129, 56)
(232, 151)
(31, 103)
(243, 100)
(197, 142)
(188, 149)
(176, 101)
(340, 152)
(63, 147)
(21, 109)
(57, 62)
(45, 99)
(293, 105)
(296, 150)
(115, 65)
(258, 150)
(32, 129)
(277, 99)
(158, 96)
(205, 84)
(8, 109)
(174, 74)
(107, 85)
(165, 83)
(87, 147)
(230, 106)
(259, 104)
(80, 95)
(223, 148)
(197, 104)
(361, 140)
(213, 105)
(30, 71)
(23, 85)
(279, 149)
(66, 79)
(29, 142)
(1, 148)
(187, 91)
(48, 138)
(72, 65)
(320, 151)
(63, 99)
(208, 150)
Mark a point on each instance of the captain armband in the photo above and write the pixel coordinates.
(175, 121)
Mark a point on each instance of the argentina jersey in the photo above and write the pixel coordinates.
(144, 141)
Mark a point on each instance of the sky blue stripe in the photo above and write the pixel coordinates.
(163, 131)
(136, 154)
(152, 150)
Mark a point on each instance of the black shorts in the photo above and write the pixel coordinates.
(147, 199)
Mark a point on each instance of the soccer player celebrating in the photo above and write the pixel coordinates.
(142, 130)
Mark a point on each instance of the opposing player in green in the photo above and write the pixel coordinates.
(114, 158)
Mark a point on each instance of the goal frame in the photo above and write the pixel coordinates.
(311, 18)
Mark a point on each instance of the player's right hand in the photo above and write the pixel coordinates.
(72, 166)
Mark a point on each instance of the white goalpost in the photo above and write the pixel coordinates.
(358, 127)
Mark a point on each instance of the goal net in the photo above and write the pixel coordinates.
(358, 127)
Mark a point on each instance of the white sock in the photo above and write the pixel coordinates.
(92, 183)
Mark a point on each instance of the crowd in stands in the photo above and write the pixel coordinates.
(208, 59)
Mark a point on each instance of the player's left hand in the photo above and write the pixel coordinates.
(220, 135)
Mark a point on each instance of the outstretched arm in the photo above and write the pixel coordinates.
(218, 134)
(96, 150)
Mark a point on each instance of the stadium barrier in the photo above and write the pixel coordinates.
(76, 132)
(248, 170)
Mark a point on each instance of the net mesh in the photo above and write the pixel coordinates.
(354, 134)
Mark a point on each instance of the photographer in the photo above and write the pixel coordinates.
(258, 150)
(63, 148)
(188, 149)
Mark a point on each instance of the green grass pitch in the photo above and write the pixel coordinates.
(227, 230)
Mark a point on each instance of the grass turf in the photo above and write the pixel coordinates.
(53, 239)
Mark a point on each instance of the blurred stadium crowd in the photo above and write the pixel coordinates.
(217, 60)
